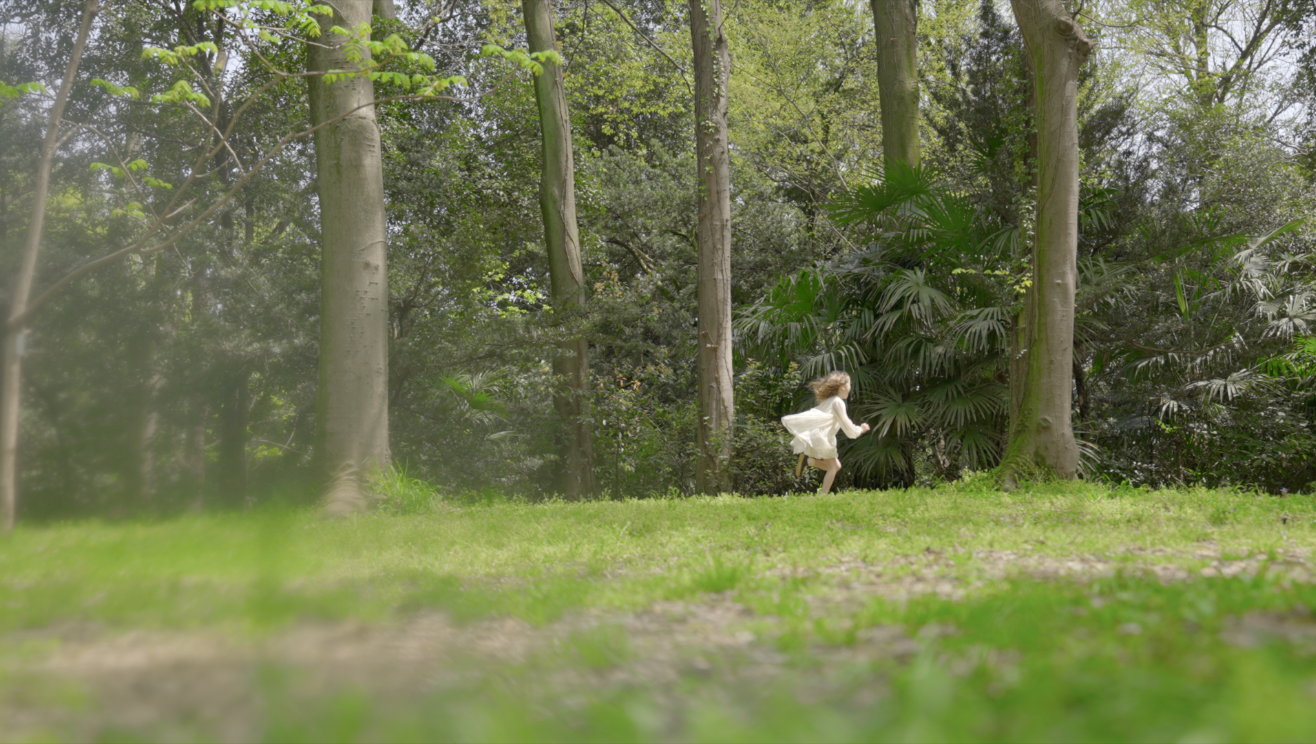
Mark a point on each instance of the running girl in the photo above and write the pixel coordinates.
(815, 429)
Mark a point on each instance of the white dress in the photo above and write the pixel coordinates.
(815, 429)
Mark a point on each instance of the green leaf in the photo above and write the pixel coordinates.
(10, 92)
(181, 92)
(1179, 295)
(116, 90)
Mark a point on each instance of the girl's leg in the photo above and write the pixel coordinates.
(832, 466)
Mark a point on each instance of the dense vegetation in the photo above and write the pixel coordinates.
(188, 377)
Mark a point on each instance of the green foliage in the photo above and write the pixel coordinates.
(532, 61)
(401, 493)
(1191, 322)
(919, 318)
(10, 92)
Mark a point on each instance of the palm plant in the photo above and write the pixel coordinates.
(1206, 378)
(919, 316)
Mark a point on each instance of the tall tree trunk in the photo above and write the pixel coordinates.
(384, 9)
(896, 25)
(712, 66)
(557, 202)
(1041, 430)
(138, 468)
(352, 402)
(12, 370)
(231, 476)
(194, 455)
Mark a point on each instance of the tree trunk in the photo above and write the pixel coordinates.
(384, 9)
(352, 401)
(194, 456)
(712, 67)
(896, 24)
(1041, 430)
(231, 477)
(12, 370)
(138, 467)
(557, 202)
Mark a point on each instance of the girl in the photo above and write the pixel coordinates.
(815, 429)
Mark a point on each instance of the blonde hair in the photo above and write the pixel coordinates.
(829, 384)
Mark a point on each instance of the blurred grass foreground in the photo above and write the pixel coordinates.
(1071, 612)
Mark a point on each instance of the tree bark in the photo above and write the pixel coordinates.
(712, 67)
(138, 467)
(557, 202)
(231, 476)
(384, 9)
(1041, 427)
(194, 455)
(896, 26)
(352, 401)
(12, 371)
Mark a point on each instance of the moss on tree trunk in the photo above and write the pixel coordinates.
(557, 202)
(896, 25)
(712, 67)
(1041, 371)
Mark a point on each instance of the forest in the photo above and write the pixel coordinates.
(268, 250)
(415, 370)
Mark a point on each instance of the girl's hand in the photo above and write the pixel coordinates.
(865, 427)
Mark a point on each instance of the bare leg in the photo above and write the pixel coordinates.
(832, 466)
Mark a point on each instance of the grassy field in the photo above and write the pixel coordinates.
(1070, 612)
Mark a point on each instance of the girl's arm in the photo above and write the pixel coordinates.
(847, 425)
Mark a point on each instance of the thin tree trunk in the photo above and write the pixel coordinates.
(557, 202)
(712, 67)
(11, 387)
(352, 401)
(1041, 432)
(896, 25)
(138, 467)
(194, 456)
(231, 476)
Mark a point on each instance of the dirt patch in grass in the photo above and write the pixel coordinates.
(78, 681)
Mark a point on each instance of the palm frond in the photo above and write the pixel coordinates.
(980, 445)
(916, 296)
(982, 329)
(894, 414)
(898, 185)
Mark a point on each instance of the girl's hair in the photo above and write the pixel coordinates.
(829, 384)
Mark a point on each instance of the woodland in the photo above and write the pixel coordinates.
(525, 288)
(269, 250)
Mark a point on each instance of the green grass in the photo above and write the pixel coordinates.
(852, 634)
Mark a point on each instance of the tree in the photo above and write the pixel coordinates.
(557, 203)
(1041, 362)
(896, 26)
(10, 399)
(352, 402)
(1213, 51)
(712, 67)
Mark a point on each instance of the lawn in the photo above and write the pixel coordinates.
(1069, 612)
